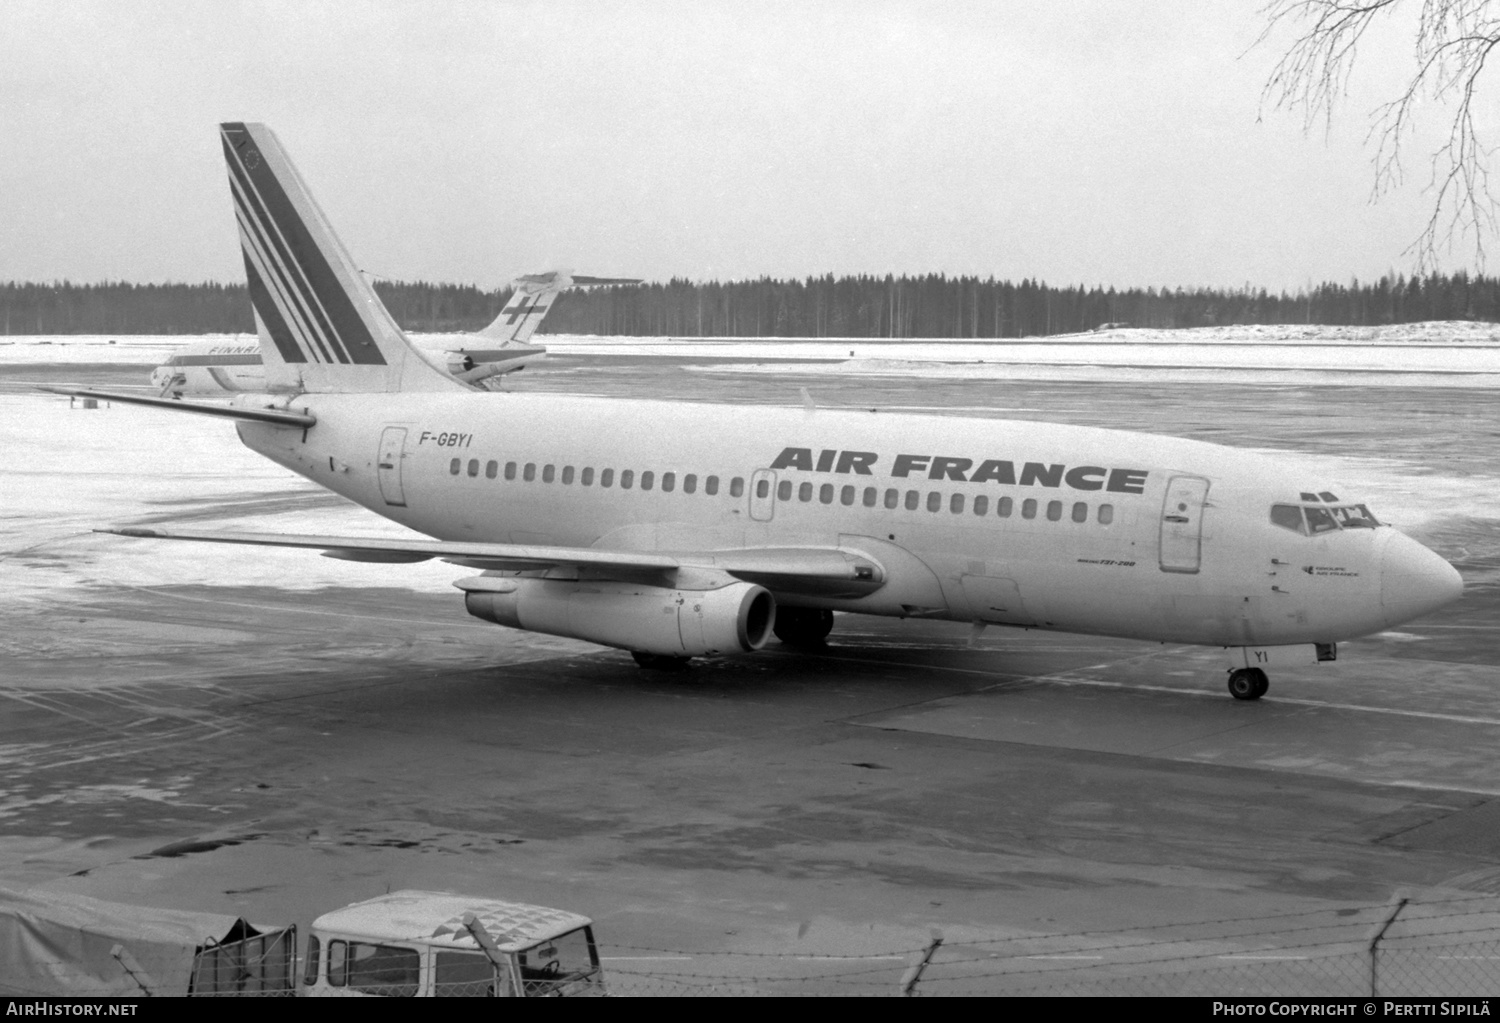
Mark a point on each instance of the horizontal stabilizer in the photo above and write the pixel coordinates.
(580, 280)
(828, 571)
(276, 417)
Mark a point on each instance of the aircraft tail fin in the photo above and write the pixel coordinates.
(534, 295)
(322, 327)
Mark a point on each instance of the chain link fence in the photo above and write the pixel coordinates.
(1441, 948)
(1434, 948)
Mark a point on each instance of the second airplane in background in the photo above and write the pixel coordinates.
(216, 367)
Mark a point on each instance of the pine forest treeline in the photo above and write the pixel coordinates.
(867, 306)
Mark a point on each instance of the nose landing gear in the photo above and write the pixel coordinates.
(1248, 683)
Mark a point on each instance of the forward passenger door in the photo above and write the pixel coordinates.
(1182, 524)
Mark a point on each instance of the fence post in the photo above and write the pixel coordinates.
(1398, 902)
(498, 959)
(914, 972)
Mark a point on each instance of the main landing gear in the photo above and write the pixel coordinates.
(802, 626)
(660, 662)
(1248, 683)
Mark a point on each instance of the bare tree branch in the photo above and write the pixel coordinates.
(1453, 44)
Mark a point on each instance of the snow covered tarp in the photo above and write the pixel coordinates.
(57, 943)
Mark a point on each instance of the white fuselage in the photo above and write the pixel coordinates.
(1020, 523)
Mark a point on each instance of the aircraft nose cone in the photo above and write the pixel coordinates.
(1414, 581)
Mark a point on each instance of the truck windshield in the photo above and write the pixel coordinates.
(547, 967)
(1310, 520)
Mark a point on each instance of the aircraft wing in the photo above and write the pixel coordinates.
(824, 571)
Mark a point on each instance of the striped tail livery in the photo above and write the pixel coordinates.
(322, 328)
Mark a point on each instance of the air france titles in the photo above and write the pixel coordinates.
(966, 470)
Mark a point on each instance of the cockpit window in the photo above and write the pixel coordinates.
(1288, 516)
(1315, 520)
(1320, 520)
(1356, 516)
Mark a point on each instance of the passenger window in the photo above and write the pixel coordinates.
(934, 500)
(1320, 520)
(1080, 512)
(627, 479)
(846, 496)
(956, 504)
(336, 955)
(913, 500)
(1106, 514)
(711, 486)
(804, 492)
(689, 483)
(567, 476)
(456, 466)
(1054, 511)
(587, 479)
(825, 493)
(737, 487)
(383, 969)
(1003, 507)
(1028, 508)
(1288, 516)
(648, 478)
(606, 477)
(510, 470)
(892, 498)
(473, 467)
(981, 505)
(762, 488)
(549, 473)
(310, 973)
(668, 482)
(491, 470)
(458, 974)
(529, 473)
(784, 490)
(871, 496)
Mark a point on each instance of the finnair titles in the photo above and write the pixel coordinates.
(675, 529)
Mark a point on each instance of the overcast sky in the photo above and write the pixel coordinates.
(1088, 142)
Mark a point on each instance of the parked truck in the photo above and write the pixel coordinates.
(403, 944)
(416, 943)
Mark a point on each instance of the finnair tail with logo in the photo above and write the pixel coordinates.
(532, 299)
(322, 328)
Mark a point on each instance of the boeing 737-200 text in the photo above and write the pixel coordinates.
(675, 529)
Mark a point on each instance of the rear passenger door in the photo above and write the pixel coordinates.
(388, 466)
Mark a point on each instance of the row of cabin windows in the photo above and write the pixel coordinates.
(628, 478)
(913, 500)
(980, 506)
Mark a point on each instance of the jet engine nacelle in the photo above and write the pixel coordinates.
(643, 619)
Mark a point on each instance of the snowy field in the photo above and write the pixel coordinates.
(1440, 354)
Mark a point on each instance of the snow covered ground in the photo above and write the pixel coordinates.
(1440, 354)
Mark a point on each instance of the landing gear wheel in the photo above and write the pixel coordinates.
(802, 626)
(659, 662)
(1248, 684)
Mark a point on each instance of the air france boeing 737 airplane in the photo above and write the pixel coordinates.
(673, 530)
